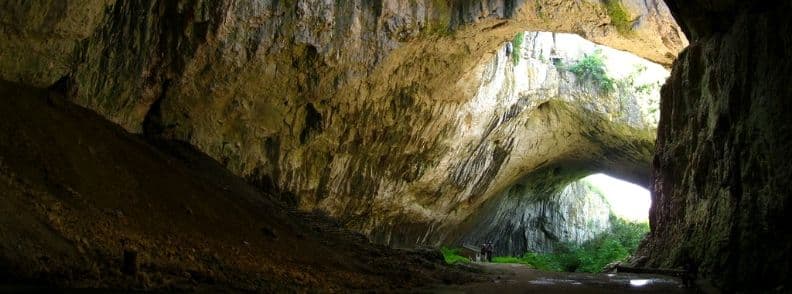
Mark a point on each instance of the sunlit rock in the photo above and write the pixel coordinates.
(400, 118)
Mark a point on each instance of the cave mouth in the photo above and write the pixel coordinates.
(583, 108)
(583, 224)
(627, 200)
(356, 110)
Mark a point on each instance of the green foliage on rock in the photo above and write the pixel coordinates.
(592, 68)
(628, 88)
(451, 256)
(619, 16)
(517, 42)
(441, 24)
(616, 245)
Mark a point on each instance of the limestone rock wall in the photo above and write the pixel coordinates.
(538, 213)
(721, 172)
(397, 117)
(527, 116)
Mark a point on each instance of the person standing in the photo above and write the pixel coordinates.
(490, 250)
(486, 251)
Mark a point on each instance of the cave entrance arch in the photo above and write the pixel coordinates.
(579, 130)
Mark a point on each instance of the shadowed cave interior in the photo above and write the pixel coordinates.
(336, 146)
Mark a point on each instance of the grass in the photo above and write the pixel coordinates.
(545, 262)
(451, 256)
(616, 245)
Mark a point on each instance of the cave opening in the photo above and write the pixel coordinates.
(585, 108)
(333, 146)
(627, 200)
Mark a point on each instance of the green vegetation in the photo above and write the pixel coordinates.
(615, 245)
(441, 25)
(629, 234)
(592, 68)
(451, 256)
(619, 16)
(628, 88)
(545, 262)
(516, 47)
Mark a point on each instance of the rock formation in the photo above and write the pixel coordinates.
(537, 215)
(405, 120)
(400, 118)
(558, 129)
(721, 170)
(80, 196)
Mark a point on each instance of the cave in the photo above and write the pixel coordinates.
(335, 146)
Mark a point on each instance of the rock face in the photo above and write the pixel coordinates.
(528, 116)
(538, 214)
(721, 171)
(575, 128)
(401, 118)
(73, 209)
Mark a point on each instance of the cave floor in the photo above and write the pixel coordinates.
(516, 278)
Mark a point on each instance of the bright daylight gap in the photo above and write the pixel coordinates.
(627, 200)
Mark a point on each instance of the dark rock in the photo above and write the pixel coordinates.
(721, 190)
(269, 233)
(130, 263)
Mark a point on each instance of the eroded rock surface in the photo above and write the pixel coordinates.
(721, 176)
(539, 213)
(394, 116)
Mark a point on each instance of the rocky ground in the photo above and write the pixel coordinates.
(79, 193)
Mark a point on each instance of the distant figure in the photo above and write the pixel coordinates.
(490, 248)
(509, 49)
(486, 251)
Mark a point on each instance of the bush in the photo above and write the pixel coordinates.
(451, 256)
(594, 256)
(592, 68)
(629, 234)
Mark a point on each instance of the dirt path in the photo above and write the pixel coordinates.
(516, 278)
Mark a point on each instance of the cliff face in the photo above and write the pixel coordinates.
(721, 171)
(539, 213)
(394, 116)
(531, 115)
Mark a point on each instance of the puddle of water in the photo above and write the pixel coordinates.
(546, 281)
